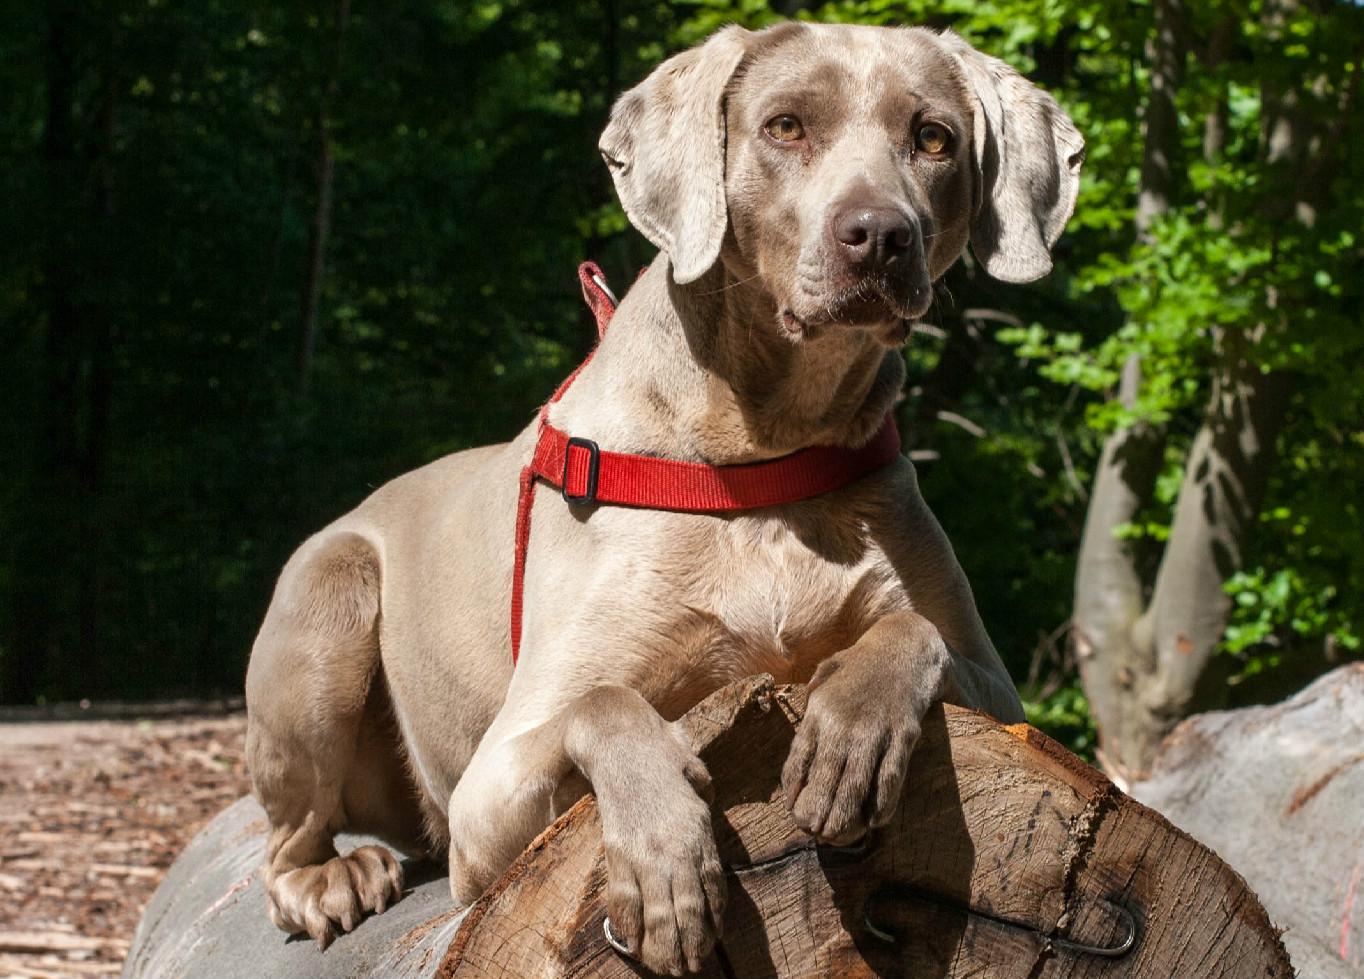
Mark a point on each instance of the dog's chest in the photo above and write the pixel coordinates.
(778, 596)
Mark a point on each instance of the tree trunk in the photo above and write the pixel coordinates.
(1154, 669)
(1216, 120)
(54, 598)
(1147, 662)
(1160, 150)
(320, 229)
(97, 375)
(1109, 586)
(1224, 482)
(1009, 859)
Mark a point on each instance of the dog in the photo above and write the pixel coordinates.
(805, 185)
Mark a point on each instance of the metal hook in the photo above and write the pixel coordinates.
(1117, 951)
(613, 941)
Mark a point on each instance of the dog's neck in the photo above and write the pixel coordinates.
(702, 372)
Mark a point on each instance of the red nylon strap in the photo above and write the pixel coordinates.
(667, 484)
(592, 280)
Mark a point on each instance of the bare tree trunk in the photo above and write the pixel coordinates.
(320, 229)
(56, 592)
(1146, 666)
(38, 592)
(1109, 586)
(1224, 483)
(1224, 476)
(1165, 52)
(97, 373)
(1216, 120)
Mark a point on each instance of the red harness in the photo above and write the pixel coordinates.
(584, 474)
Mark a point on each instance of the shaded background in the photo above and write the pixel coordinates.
(259, 258)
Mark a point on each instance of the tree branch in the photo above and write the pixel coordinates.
(1215, 515)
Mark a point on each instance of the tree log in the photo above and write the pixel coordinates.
(1008, 858)
(1279, 793)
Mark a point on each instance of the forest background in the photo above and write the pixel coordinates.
(258, 258)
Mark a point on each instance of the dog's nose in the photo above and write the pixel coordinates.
(873, 237)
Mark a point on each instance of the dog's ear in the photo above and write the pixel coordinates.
(1027, 156)
(665, 148)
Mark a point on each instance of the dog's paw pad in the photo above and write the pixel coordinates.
(326, 899)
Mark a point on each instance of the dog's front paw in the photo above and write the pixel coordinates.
(847, 763)
(665, 892)
(324, 898)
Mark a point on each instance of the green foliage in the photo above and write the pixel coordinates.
(467, 188)
(1065, 716)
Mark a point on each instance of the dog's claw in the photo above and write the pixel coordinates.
(323, 940)
(329, 899)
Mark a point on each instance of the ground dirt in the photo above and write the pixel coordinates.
(92, 813)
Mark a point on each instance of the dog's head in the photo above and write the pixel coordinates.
(843, 167)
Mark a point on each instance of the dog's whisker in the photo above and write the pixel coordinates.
(731, 285)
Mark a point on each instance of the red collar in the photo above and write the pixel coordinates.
(587, 475)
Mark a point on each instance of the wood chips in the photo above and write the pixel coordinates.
(91, 815)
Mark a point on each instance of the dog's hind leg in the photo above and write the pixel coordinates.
(310, 686)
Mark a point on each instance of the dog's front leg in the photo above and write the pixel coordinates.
(847, 764)
(665, 884)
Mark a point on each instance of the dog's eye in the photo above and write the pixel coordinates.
(785, 129)
(932, 138)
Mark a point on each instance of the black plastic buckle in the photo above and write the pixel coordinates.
(593, 467)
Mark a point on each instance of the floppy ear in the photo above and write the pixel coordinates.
(1028, 155)
(665, 148)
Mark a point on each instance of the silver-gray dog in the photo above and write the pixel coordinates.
(806, 186)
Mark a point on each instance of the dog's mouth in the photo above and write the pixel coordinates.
(870, 303)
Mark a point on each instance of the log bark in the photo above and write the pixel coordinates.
(1007, 855)
(1277, 791)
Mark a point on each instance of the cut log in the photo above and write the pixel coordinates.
(1008, 858)
(1278, 792)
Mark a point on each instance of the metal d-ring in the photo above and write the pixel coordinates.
(1117, 951)
(601, 284)
(613, 941)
